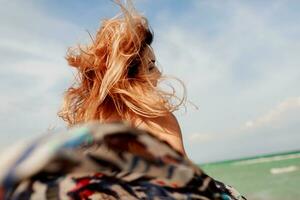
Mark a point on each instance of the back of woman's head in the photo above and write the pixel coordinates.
(116, 74)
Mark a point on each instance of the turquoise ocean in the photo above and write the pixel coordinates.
(266, 177)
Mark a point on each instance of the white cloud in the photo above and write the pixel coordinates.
(199, 138)
(277, 130)
(33, 70)
(275, 114)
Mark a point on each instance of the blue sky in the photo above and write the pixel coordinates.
(239, 60)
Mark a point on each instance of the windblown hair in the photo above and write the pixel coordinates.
(113, 76)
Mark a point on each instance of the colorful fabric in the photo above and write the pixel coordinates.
(104, 161)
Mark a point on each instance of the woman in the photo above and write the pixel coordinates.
(117, 80)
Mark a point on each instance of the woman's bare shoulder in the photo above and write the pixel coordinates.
(166, 128)
(170, 124)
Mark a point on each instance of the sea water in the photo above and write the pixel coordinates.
(272, 177)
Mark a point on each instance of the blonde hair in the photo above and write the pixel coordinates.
(113, 76)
